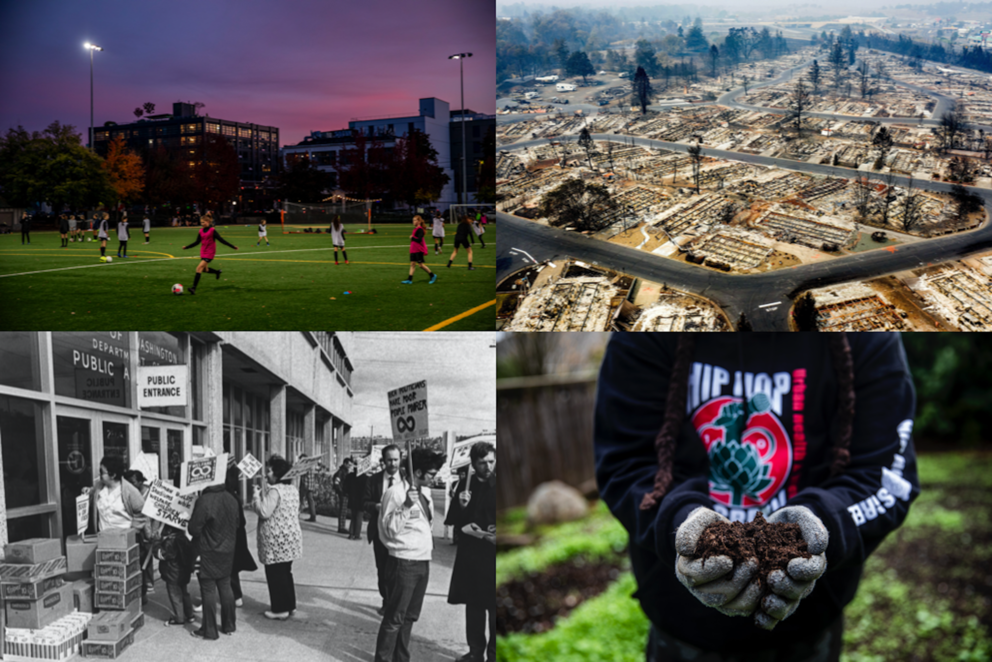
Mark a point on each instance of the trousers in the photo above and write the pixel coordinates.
(406, 599)
(282, 590)
(209, 590)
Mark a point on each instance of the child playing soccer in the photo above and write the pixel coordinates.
(146, 226)
(437, 230)
(418, 249)
(337, 238)
(462, 235)
(480, 222)
(208, 237)
(122, 236)
(103, 233)
(263, 233)
(64, 230)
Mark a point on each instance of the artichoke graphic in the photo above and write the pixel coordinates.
(735, 467)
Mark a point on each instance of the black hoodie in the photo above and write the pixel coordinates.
(782, 457)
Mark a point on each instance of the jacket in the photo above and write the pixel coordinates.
(758, 435)
(373, 497)
(175, 556)
(214, 526)
(473, 578)
(133, 503)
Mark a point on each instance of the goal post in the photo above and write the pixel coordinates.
(456, 211)
(297, 216)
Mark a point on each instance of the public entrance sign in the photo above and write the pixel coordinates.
(202, 472)
(408, 412)
(166, 503)
(163, 386)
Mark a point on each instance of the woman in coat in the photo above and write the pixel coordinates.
(214, 525)
(280, 540)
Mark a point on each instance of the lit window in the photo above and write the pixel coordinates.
(213, 127)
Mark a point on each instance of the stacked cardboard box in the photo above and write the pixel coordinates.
(116, 594)
(58, 641)
(31, 584)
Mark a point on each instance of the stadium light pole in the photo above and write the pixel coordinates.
(91, 47)
(461, 74)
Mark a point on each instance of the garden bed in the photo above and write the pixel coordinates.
(534, 603)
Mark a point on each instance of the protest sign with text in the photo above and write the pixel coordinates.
(408, 412)
(371, 462)
(165, 504)
(301, 467)
(249, 466)
(82, 513)
(203, 472)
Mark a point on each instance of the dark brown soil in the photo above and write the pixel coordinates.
(774, 545)
(534, 603)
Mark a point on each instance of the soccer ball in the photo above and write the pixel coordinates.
(103, 259)
(177, 289)
(110, 259)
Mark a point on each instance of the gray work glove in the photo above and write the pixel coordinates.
(715, 583)
(789, 587)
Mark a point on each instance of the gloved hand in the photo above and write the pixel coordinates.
(715, 583)
(789, 587)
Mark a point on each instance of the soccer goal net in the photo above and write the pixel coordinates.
(455, 212)
(298, 217)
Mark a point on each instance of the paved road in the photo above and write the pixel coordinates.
(736, 293)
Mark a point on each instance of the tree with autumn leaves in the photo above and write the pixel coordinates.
(125, 171)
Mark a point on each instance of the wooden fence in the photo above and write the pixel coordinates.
(543, 432)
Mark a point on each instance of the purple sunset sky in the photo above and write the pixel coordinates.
(299, 65)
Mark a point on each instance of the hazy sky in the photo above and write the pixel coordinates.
(460, 369)
(299, 65)
(793, 7)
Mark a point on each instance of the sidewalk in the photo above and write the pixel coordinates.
(335, 621)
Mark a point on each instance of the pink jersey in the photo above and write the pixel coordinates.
(417, 244)
(208, 246)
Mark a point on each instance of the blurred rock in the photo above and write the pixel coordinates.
(555, 502)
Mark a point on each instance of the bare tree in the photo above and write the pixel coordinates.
(882, 141)
(837, 61)
(799, 103)
(862, 196)
(950, 126)
(586, 143)
(814, 77)
(609, 155)
(696, 152)
(864, 82)
(889, 196)
(714, 56)
(912, 212)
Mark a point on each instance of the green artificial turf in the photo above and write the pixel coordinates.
(292, 284)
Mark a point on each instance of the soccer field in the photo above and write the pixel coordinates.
(291, 285)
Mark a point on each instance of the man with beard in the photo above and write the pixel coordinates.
(376, 486)
(473, 579)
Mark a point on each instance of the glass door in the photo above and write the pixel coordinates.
(75, 466)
